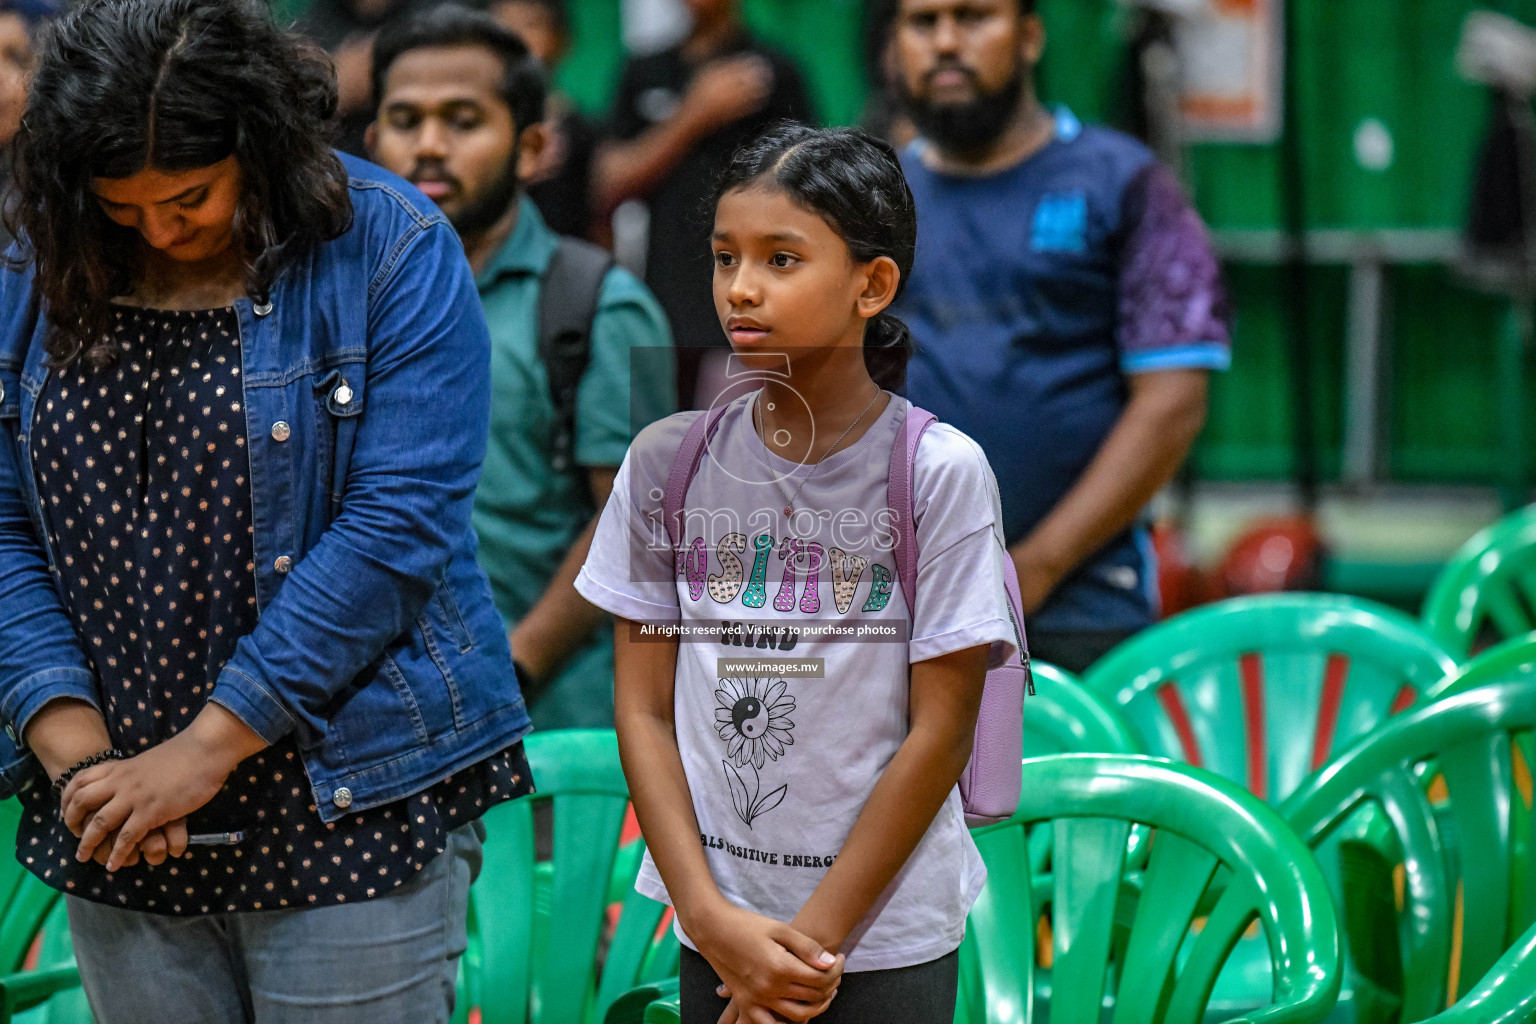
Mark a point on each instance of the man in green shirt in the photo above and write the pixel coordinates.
(461, 111)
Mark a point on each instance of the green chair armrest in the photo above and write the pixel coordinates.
(26, 989)
(664, 1011)
(632, 1006)
(1505, 995)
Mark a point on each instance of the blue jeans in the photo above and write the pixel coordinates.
(390, 960)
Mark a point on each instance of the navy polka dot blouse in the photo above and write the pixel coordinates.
(144, 476)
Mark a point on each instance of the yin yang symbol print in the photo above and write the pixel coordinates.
(752, 717)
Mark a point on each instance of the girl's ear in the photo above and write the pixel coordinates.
(881, 279)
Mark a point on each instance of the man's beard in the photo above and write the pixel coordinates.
(480, 214)
(966, 127)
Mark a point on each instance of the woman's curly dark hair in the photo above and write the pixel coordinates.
(176, 85)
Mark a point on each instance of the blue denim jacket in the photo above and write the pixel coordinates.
(367, 400)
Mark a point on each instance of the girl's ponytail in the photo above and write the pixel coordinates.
(888, 347)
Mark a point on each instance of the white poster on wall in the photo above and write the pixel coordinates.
(653, 25)
(1232, 54)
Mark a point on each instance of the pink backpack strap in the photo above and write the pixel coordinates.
(899, 492)
(684, 465)
(899, 496)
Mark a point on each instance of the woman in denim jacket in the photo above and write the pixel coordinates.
(255, 695)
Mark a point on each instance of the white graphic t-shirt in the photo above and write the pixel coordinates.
(795, 642)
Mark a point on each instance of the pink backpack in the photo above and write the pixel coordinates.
(989, 787)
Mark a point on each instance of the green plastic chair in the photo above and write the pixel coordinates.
(1488, 588)
(1449, 784)
(1515, 658)
(26, 905)
(1114, 904)
(536, 925)
(1065, 717)
(55, 979)
(1264, 689)
(1156, 870)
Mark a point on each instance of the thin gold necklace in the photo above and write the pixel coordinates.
(762, 428)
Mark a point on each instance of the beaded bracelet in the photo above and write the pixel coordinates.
(80, 766)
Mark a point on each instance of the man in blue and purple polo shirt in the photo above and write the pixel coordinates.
(1067, 309)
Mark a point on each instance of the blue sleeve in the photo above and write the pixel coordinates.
(630, 381)
(40, 654)
(1173, 301)
(406, 505)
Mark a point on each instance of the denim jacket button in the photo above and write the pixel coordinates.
(343, 798)
(284, 564)
(2, 392)
(280, 431)
(263, 309)
(343, 395)
(10, 731)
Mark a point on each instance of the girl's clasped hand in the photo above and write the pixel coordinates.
(770, 970)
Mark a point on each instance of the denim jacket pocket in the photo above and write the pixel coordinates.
(412, 688)
(10, 396)
(340, 397)
(446, 614)
(372, 720)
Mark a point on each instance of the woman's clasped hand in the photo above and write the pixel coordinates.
(137, 807)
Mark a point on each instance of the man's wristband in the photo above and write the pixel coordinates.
(79, 766)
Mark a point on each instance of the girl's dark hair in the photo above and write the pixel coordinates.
(853, 181)
(176, 85)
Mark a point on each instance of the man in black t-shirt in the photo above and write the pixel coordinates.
(561, 184)
(679, 115)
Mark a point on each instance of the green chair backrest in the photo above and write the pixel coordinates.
(1156, 870)
(1264, 689)
(25, 901)
(537, 924)
(1512, 659)
(1451, 784)
(1065, 717)
(1488, 588)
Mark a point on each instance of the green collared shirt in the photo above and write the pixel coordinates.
(527, 514)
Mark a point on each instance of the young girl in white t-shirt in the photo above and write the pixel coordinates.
(791, 730)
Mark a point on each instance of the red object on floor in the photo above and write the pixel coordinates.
(1273, 555)
(1180, 583)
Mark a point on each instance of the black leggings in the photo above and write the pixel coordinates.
(924, 994)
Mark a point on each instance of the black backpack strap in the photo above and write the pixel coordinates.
(568, 297)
